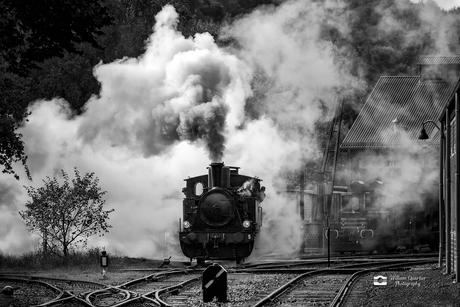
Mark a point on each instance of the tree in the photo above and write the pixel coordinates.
(11, 144)
(32, 31)
(66, 215)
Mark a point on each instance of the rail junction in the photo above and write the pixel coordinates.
(308, 282)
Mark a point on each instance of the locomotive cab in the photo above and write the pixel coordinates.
(221, 214)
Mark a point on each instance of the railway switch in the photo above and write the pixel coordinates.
(215, 283)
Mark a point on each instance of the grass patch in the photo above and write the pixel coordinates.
(83, 265)
(81, 260)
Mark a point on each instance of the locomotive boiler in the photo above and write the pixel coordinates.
(221, 214)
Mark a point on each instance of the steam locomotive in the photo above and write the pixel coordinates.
(362, 223)
(221, 214)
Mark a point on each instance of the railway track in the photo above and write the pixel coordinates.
(46, 291)
(150, 290)
(329, 287)
(290, 283)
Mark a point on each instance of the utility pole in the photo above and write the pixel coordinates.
(334, 129)
(302, 205)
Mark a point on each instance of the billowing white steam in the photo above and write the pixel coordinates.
(179, 90)
(410, 174)
(433, 22)
(166, 115)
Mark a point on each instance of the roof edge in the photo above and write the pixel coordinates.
(451, 96)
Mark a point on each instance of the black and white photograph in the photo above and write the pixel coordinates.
(229, 153)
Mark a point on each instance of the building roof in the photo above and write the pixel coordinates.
(408, 101)
(439, 60)
(450, 101)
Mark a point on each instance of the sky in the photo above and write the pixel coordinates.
(445, 4)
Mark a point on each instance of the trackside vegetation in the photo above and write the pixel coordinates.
(66, 215)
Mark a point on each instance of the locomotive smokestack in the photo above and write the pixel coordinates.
(216, 174)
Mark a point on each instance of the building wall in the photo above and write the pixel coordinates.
(452, 153)
(451, 184)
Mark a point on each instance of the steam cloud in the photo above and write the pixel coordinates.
(179, 90)
(163, 116)
(443, 4)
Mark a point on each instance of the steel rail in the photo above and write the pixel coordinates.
(342, 269)
(172, 289)
(283, 264)
(127, 294)
(63, 301)
(152, 277)
(278, 292)
(276, 268)
(60, 299)
(60, 292)
(140, 299)
(343, 292)
(316, 260)
(63, 280)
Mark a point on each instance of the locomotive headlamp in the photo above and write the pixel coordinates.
(186, 224)
(246, 224)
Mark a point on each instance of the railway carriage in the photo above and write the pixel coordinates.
(363, 224)
(221, 214)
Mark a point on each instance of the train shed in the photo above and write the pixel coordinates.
(389, 125)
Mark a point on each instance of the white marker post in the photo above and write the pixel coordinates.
(104, 260)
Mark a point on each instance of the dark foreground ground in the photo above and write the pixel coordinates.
(422, 286)
(425, 286)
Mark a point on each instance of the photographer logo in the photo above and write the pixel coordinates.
(380, 280)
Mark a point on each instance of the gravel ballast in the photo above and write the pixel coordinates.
(421, 286)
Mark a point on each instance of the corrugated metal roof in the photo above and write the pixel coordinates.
(404, 98)
(439, 60)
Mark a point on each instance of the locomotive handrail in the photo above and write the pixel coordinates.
(260, 214)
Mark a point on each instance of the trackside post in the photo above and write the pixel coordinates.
(104, 261)
(215, 283)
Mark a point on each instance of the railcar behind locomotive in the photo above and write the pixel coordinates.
(221, 214)
(363, 224)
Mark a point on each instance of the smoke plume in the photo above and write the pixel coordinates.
(184, 103)
(179, 90)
